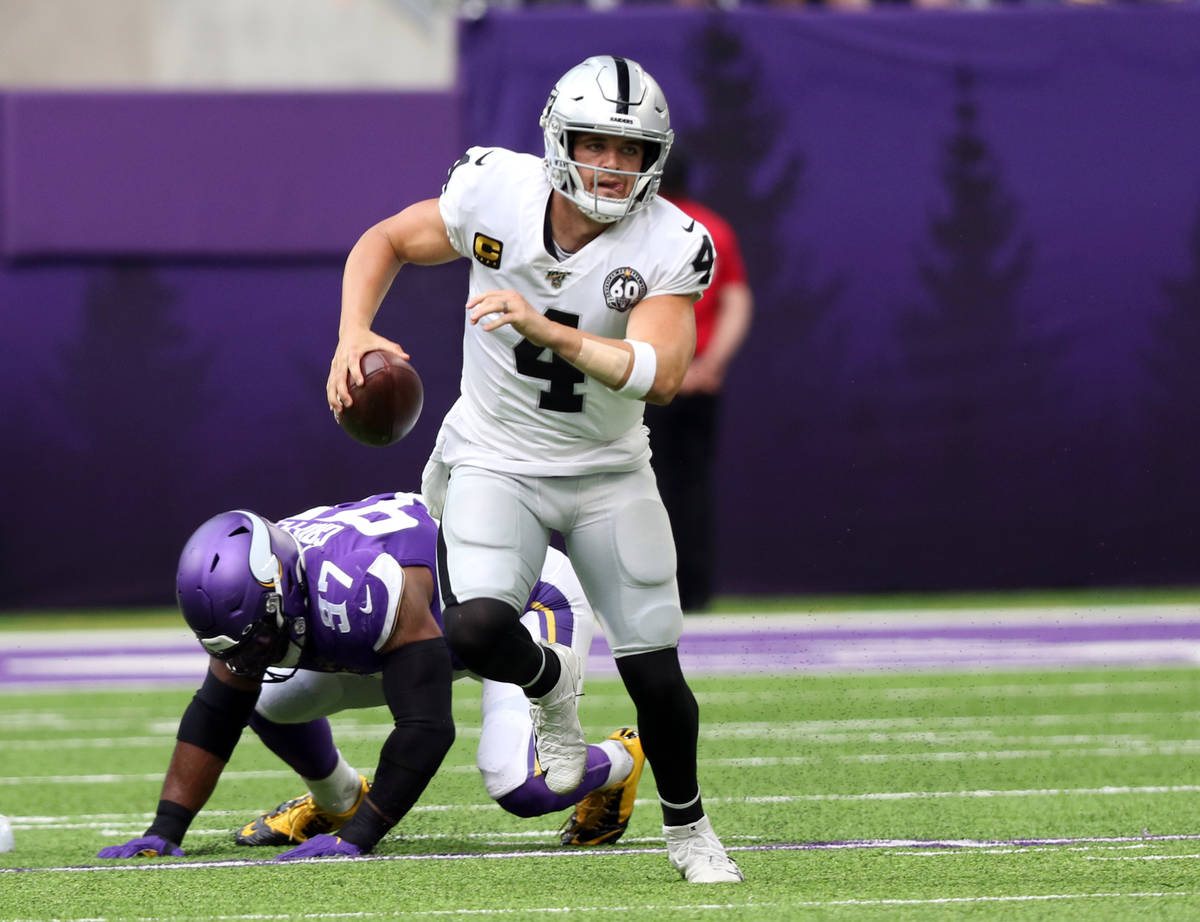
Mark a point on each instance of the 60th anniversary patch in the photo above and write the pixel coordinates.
(623, 288)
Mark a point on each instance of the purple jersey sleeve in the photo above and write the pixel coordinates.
(354, 555)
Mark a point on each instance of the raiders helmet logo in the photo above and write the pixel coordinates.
(623, 288)
(487, 250)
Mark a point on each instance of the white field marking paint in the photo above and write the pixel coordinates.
(63, 723)
(763, 731)
(977, 736)
(117, 778)
(1017, 850)
(1107, 791)
(1142, 858)
(373, 723)
(1110, 791)
(122, 742)
(1133, 750)
(1139, 750)
(874, 844)
(1013, 690)
(151, 663)
(641, 909)
(806, 728)
(1156, 750)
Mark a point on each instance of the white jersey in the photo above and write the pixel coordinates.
(522, 409)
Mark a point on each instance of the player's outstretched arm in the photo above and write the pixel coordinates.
(416, 235)
(649, 364)
(208, 732)
(417, 678)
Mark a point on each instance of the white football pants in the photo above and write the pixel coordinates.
(496, 529)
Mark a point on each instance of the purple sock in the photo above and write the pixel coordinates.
(533, 798)
(308, 748)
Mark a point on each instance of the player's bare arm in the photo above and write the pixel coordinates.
(666, 323)
(415, 619)
(415, 235)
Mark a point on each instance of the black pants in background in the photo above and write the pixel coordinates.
(683, 439)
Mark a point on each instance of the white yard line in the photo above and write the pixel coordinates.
(690, 909)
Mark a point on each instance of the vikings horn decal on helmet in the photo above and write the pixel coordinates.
(240, 586)
(612, 96)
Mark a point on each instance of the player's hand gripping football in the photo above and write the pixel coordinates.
(322, 846)
(143, 847)
(494, 309)
(347, 365)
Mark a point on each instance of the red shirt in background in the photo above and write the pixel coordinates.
(730, 266)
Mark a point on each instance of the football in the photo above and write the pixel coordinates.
(387, 406)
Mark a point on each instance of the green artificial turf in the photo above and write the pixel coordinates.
(832, 792)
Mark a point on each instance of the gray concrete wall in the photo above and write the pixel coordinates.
(228, 44)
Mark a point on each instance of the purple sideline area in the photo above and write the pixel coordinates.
(744, 644)
(972, 237)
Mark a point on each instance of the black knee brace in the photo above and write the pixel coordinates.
(215, 717)
(486, 634)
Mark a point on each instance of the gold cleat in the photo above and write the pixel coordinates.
(602, 816)
(295, 821)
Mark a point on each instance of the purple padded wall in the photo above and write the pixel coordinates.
(215, 174)
(974, 240)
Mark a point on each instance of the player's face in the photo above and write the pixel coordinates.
(601, 153)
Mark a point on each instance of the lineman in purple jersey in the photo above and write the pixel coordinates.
(323, 611)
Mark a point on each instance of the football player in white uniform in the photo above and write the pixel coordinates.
(580, 310)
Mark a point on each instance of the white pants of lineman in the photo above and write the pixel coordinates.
(496, 529)
(503, 756)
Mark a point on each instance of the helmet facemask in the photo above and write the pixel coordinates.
(268, 642)
(614, 97)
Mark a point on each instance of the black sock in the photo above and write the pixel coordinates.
(551, 670)
(682, 816)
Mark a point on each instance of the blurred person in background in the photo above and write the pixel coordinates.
(683, 434)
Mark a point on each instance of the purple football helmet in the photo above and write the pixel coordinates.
(240, 586)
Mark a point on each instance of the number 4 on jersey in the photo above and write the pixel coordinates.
(703, 262)
(560, 396)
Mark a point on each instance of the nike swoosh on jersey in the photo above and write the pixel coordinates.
(690, 227)
(479, 159)
(366, 609)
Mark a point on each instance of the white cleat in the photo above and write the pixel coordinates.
(698, 855)
(558, 737)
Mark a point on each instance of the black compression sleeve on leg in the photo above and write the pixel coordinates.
(669, 725)
(487, 635)
(215, 717)
(416, 685)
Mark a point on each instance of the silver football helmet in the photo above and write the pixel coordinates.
(612, 96)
